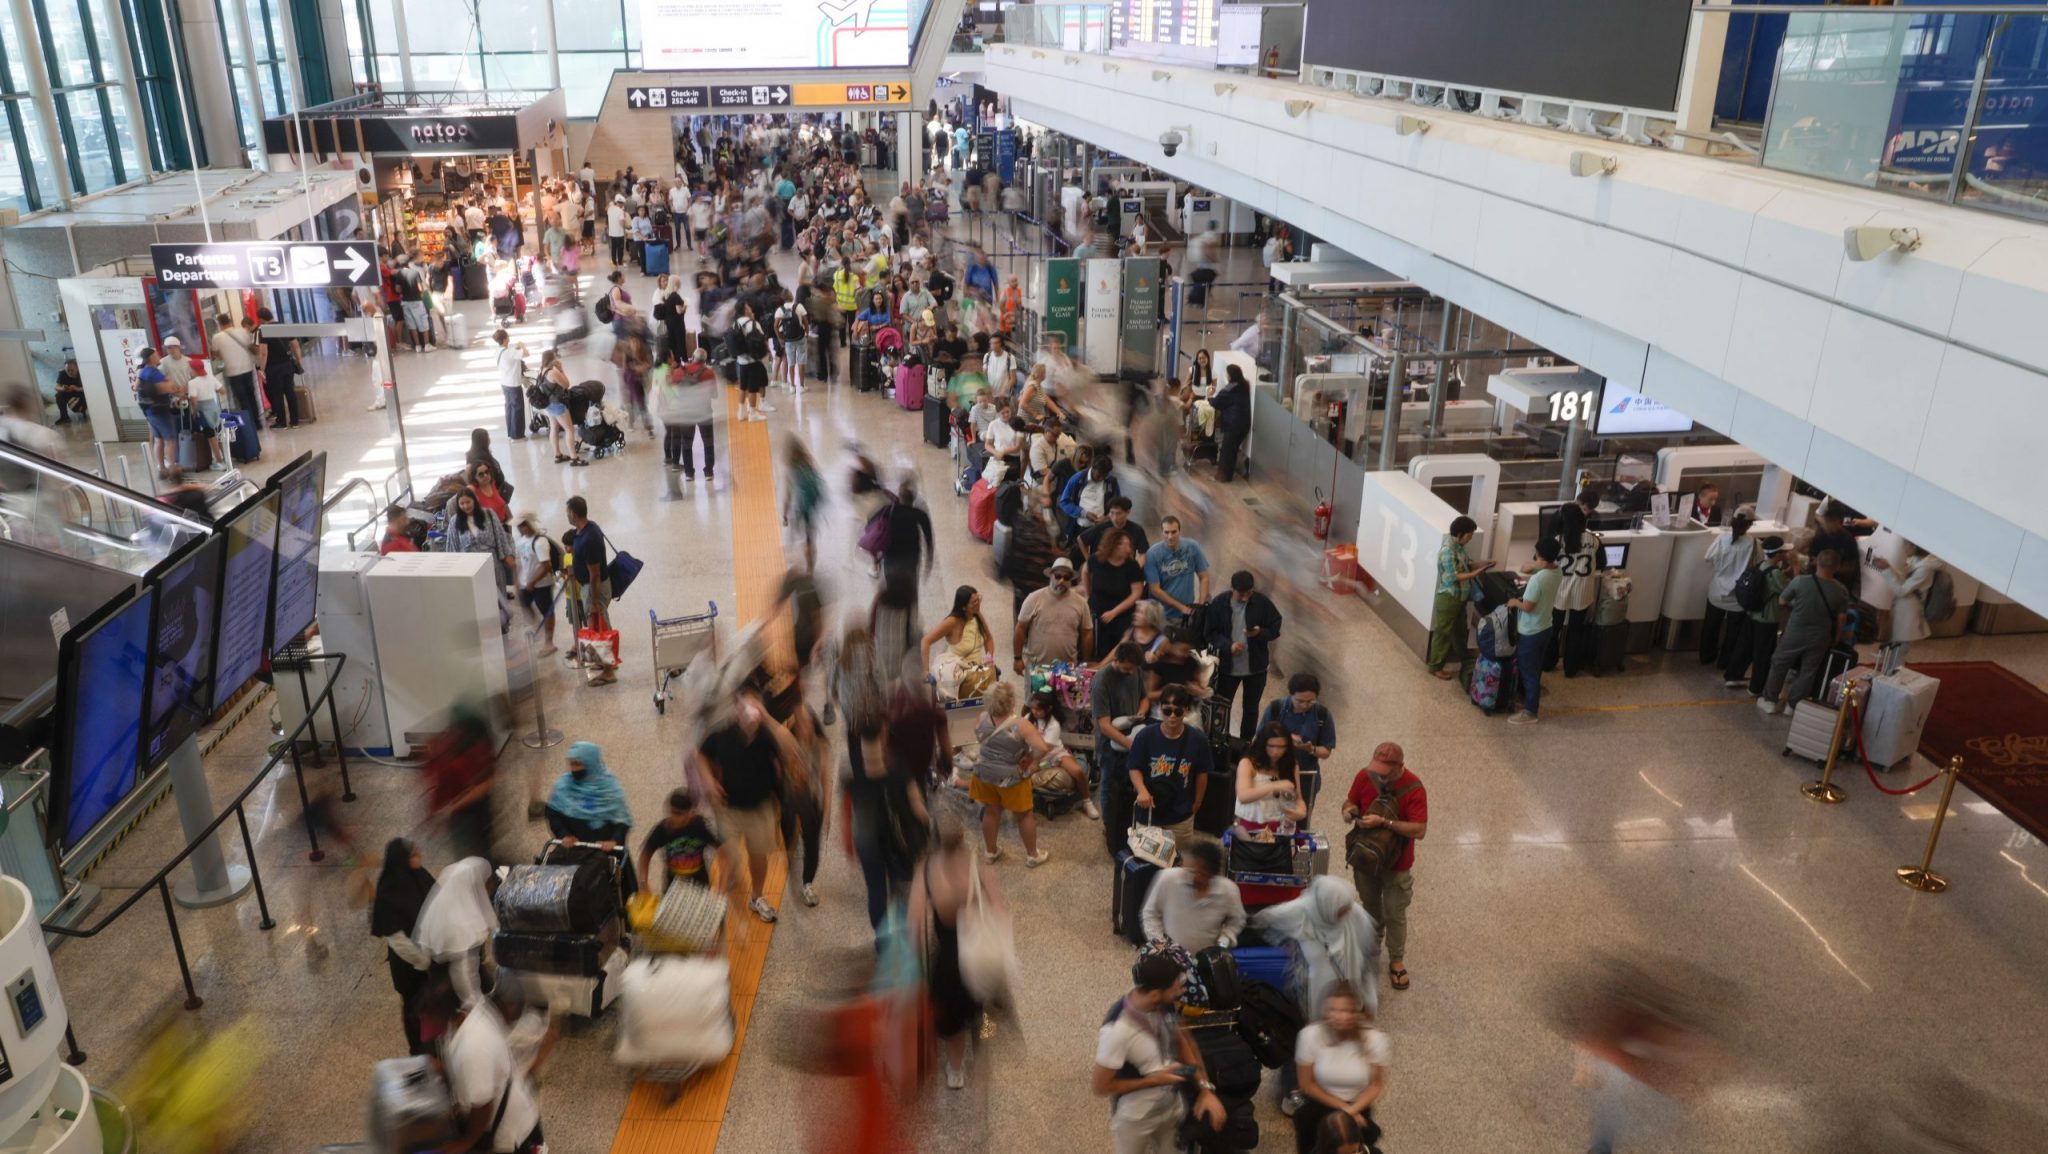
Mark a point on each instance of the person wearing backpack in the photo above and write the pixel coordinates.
(792, 328)
(751, 349)
(1817, 611)
(1756, 591)
(1148, 1066)
(1729, 557)
(1309, 723)
(1923, 594)
(1385, 877)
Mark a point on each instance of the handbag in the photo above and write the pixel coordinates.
(874, 536)
(622, 571)
(689, 920)
(1250, 855)
(987, 944)
(598, 643)
(1151, 843)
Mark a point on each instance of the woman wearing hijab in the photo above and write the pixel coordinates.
(1333, 939)
(455, 921)
(401, 890)
(589, 804)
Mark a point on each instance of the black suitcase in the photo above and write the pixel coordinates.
(1232, 1067)
(476, 281)
(555, 853)
(821, 356)
(1133, 881)
(861, 364)
(577, 898)
(1218, 810)
(1610, 647)
(937, 432)
(567, 955)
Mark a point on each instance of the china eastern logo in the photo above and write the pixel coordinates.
(439, 132)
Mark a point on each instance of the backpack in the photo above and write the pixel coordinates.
(787, 326)
(1268, 1021)
(1938, 604)
(604, 309)
(1370, 851)
(754, 341)
(1753, 588)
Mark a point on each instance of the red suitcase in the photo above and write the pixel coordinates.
(910, 386)
(981, 511)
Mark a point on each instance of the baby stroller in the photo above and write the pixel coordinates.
(508, 303)
(600, 432)
(935, 210)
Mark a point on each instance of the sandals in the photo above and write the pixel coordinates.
(561, 460)
(1399, 975)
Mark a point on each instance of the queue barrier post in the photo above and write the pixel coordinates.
(1825, 790)
(1922, 877)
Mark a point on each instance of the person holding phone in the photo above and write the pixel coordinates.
(1454, 573)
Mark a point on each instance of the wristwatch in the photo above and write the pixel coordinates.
(1206, 1084)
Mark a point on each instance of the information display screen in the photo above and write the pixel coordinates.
(102, 689)
(181, 660)
(250, 547)
(697, 35)
(1627, 413)
(299, 486)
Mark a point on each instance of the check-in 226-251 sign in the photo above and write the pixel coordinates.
(267, 264)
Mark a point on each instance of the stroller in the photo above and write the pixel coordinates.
(597, 425)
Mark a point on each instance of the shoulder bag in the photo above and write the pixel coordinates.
(987, 943)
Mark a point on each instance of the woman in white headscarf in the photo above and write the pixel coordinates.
(456, 921)
(1333, 938)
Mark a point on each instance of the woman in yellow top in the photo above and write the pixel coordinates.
(968, 642)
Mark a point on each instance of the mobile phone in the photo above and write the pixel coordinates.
(1187, 1073)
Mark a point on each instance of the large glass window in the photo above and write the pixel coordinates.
(272, 54)
(85, 68)
(156, 75)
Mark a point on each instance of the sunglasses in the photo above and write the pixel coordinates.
(1171, 710)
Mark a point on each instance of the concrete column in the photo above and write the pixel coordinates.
(404, 45)
(1699, 81)
(554, 47)
(294, 80)
(335, 18)
(909, 147)
(213, 98)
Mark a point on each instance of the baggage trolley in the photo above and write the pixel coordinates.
(677, 642)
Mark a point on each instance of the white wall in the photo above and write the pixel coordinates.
(1915, 386)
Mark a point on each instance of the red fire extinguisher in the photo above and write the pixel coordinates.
(1322, 517)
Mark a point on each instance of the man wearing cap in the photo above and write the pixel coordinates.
(1053, 624)
(536, 576)
(176, 365)
(1758, 639)
(70, 392)
(1387, 892)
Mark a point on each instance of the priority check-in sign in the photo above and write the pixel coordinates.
(267, 264)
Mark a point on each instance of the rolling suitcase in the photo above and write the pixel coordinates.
(410, 1110)
(1129, 888)
(981, 512)
(303, 399)
(1813, 727)
(937, 432)
(1218, 811)
(1610, 647)
(1895, 714)
(1840, 660)
(457, 326)
(195, 448)
(1491, 687)
(654, 258)
(861, 366)
(238, 429)
(584, 995)
(910, 386)
(566, 955)
(476, 281)
(1266, 964)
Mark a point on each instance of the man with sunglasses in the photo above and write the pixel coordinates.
(1169, 765)
(1053, 623)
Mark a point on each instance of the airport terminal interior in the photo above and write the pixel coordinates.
(1529, 597)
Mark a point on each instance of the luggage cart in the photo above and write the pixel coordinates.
(677, 642)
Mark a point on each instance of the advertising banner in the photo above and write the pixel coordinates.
(1006, 155)
(691, 35)
(1062, 296)
(1140, 352)
(123, 348)
(1103, 303)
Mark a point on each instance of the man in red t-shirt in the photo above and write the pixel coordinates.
(1386, 894)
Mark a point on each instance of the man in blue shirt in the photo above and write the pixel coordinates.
(1533, 622)
(1176, 572)
(1169, 766)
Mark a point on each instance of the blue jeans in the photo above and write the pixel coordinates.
(1529, 654)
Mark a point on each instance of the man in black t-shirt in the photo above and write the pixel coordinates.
(1833, 535)
(743, 760)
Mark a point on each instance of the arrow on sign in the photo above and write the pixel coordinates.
(354, 264)
(779, 94)
(636, 97)
(900, 92)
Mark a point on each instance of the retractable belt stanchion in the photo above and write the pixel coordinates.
(1922, 877)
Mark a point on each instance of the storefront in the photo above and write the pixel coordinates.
(417, 153)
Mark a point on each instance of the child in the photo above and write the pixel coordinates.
(688, 844)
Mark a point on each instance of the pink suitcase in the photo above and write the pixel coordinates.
(910, 386)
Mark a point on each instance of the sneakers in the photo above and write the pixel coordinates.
(762, 910)
(764, 407)
(1033, 861)
(1768, 707)
(992, 856)
(1732, 683)
(1088, 807)
(1523, 718)
(810, 895)
(956, 1077)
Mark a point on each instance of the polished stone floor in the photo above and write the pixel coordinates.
(1649, 812)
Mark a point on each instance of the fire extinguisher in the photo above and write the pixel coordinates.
(1322, 517)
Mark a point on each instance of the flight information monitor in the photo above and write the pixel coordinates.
(249, 544)
(299, 486)
(181, 659)
(102, 690)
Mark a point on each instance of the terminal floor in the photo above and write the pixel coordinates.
(1650, 811)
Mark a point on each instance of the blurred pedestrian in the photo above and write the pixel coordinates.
(402, 889)
(455, 922)
(745, 760)
(461, 768)
(944, 886)
(1340, 1061)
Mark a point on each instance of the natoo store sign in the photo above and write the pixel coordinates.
(398, 134)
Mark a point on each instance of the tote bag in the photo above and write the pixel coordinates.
(988, 946)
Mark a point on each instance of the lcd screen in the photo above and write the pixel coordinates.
(103, 687)
(181, 660)
(1627, 413)
(250, 544)
(298, 549)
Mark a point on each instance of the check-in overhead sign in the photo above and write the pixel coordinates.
(764, 97)
(686, 97)
(267, 264)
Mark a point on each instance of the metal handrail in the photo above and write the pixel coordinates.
(352, 485)
(161, 880)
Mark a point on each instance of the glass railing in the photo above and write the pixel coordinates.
(1074, 27)
(1950, 107)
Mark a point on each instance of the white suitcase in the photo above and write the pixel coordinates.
(1813, 727)
(458, 330)
(675, 1011)
(1895, 714)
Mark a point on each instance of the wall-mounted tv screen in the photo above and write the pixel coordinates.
(181, 658)
(102, 691)
(249, 546)
(299, 486)
(1627, 413)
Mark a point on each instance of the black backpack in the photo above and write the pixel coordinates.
(1268, 1020)
(787, 326)
(1753, 588)
(604, 309)
(756, 341)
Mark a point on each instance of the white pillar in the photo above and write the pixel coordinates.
(335, 17)
(213, 97)
(117, 24)
(46, 107)
(1706, 41)
(295, 82)
(252, 77)
(404, 43)
(554, 48)
(909, 146)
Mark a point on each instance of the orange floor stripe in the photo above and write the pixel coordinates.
(659, 1121)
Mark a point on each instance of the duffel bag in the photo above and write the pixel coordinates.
(565, 955)
(1218, 970)
(674, 1011)
(577, 898)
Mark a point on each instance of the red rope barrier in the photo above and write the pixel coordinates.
(1862, 757)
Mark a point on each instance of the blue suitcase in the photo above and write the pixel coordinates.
(654, 258)
(239, 429)
(1268, 964)
(1130, 887)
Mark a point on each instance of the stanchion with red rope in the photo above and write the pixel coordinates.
(1872, 773)
(1922, 877)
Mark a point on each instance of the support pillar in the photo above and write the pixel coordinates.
(212, 881)
(1699, 79)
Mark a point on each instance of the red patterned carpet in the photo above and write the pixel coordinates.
(1998, 722)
